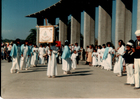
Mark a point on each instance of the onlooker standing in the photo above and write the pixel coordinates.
(77, 48)
(9, 50)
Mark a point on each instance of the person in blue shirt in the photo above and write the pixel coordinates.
(15, 54)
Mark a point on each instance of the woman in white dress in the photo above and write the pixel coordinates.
(102, 53)
(118, 67)
(52, 64)
(66, 59)
(41, 54)
(99, 55)
(25, 53)
(108, 57)
(34, 56)
(94, 58)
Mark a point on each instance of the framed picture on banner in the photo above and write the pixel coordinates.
(46, 34)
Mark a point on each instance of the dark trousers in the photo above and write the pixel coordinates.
(9, 57)
(77, 59)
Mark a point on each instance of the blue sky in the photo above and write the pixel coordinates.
(16, 25)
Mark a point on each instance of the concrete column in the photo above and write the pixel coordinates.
(40, 22)
(104, 27)
(123, 22)
(89, 29)
(63, 29)
(138, 15)
(75, 27)
(120, 20)
(128, 25)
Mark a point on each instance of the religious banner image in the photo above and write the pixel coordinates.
(46, 34)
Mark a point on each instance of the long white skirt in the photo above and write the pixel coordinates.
(118, 67)
(73, 63)
(108, 62)
(94, 61)
(66, 64)
(41, 59)
(52, 66)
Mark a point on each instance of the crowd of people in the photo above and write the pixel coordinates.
(126, 58)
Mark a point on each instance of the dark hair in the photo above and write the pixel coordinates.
(103, 45)
(87, 46)
(100, 46)
(67, 43)
(122, 43)
(76, 44)
(108, 43)
(17, 40)
(95, 50)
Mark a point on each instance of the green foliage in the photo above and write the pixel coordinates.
(32, 36)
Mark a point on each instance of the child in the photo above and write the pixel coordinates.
(41, 54)
(25, 53)
(34, 56)
(73, 59)
(94, 58)
(15, 54)
(129, 60)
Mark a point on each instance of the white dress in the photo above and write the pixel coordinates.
(118, 67)
(24, 59)
(99, 56)
(34, 56)
(108, 60)
(73, 58)
(52, 64)
(41, 54)
(94, 58)
(102, 53)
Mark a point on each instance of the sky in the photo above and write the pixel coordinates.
(16, 25)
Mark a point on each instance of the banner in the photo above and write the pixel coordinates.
(46, 34)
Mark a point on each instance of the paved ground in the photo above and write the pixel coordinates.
(85, 82)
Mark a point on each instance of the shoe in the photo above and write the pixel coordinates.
(119, 75)
(53, 77)
(132, 84)
(49, 76)
(17, 71)
(11, 72)
(137, 88)
(69, 72)
(126, 84)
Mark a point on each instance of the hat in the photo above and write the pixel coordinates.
(66, 41)
(137, 33)
(129, 44)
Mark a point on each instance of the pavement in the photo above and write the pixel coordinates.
(84, 82)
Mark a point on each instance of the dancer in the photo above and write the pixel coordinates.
(15, 54)
(108, 57)
(73, 59)
(118, 67)
(34, 56)
(25, 53)
(102, 53)
(52, 64)
(66, 61)
(137, 60)
(41, 54)
(129, 60)
(95, 58)
(99, 55)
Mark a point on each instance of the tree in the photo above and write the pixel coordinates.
(32, 36)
